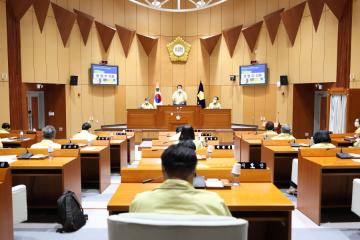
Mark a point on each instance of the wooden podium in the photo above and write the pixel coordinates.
(169, 117)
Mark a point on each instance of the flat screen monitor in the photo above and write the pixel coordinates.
(104, 75)
(253, 74)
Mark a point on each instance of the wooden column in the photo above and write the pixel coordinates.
(17, 101)
(344, 47)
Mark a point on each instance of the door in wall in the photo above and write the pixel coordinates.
(320, 105)
(36, 109)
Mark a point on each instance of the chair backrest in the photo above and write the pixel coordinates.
(134, 226)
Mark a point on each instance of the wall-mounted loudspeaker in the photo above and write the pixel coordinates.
(284, 80)
(73, 80)
(232, 78)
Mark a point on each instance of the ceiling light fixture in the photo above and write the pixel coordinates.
(178, 5)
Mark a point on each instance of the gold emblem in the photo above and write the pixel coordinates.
(179, 50)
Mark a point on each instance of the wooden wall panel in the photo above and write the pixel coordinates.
(46, 60)
(4, 98)
(355, 47)
(27, 54)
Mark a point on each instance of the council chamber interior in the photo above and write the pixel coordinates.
(161, 119)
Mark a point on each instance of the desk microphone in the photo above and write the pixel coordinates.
(152, 179)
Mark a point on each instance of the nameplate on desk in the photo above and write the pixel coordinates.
(4, 165)
(253, 165)
(206, 134)
(121, 134)
(103, 138)
(224, 147)
(70, 146)
(211, 138)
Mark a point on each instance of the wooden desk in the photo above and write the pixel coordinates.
(279, 160)
(6, 214)
(250, 150)
(214, 168)
(325, 183)
(95, 167)
(170, 117)
(19, 143)
(118, 155)
(46, 180)
(131, 148)
(262, 204)
(341, 142)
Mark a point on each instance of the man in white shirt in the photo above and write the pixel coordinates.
(215, 103)
(49, 133)
(147, 104)
(179, 97)
(85, 133)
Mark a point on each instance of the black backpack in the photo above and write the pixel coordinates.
(71, 214)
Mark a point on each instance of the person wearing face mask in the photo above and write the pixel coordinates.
(357, 126)
(215, 103)
(179, 97)
(147, 104)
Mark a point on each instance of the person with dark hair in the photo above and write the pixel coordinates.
(215, 103)
(5, 128)
(269, 129)
(49, 133)
(179, 97)
(176, 195)
(85, 133)
(175, 138)
(147, 104)
(285, 134)
(322, 140)
(187, 133)
(188, 143)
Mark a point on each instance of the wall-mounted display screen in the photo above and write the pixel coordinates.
(104, 75)
(253, 74)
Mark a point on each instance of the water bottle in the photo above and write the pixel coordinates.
(311, 141)
(235, 172)
(50, 152)
(210, 150)
(21, 135)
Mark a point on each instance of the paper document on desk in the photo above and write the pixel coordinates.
(8, 158)
(7, 140)
(214, 183)
(355, 156)
(89, 148)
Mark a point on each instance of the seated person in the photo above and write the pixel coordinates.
(5, 128)
(147, 104)
(85, 133)
(285, 134)
(357, 143)
(269, 129)
(179, 97)
(357, 126)
(49, 133)
(322, 140)
(176, 195)
(215, 103)
(187, 133)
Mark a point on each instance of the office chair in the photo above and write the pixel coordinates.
(355, 206)
(149, 226)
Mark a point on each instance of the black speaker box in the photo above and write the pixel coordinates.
(284, 80)
(73, 80)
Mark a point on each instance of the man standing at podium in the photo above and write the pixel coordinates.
(179, 97)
